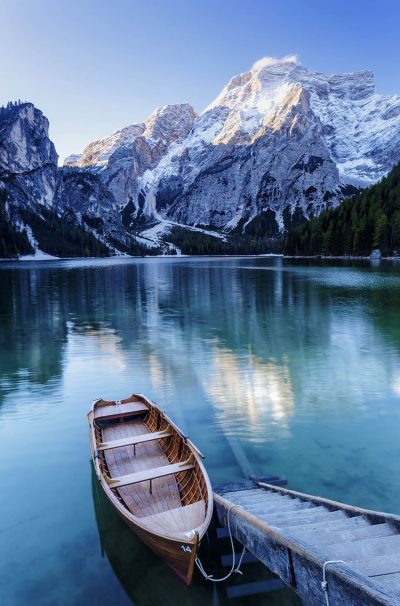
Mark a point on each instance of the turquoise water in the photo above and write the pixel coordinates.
(270, 365)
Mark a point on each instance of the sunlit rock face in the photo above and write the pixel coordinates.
(279, 142)
(28, 159)
(125, 156)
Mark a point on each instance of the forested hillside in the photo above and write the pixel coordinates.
(368, 220)
(198, 243)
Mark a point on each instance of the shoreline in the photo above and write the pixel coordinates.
(341, 258)
(50, 258)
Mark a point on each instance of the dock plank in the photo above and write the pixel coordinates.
(390, 580)
(295, 541)
(378, 566)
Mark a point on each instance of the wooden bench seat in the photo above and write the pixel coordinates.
(148, 474)
(133, 440)
(117, 411)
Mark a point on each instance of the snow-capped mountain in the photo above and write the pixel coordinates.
(123, 158)
(279, 142)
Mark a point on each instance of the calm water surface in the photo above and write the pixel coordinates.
(270, 366)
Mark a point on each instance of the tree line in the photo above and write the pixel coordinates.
(367, 221)
(199, 243)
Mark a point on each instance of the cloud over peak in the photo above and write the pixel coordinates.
(266, 61)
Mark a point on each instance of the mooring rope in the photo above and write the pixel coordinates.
(234, 569)
(324, 583)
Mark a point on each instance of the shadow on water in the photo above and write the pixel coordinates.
(143, 576)
(148, 581)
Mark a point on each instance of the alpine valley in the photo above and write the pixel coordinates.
(279, 145)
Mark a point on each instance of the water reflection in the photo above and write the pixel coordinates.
(269, 365)
(250, 393)
(28, 318)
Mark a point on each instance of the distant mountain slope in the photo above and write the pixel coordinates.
(280, 142)
(278, 146)
(33, 215)
(369, 220)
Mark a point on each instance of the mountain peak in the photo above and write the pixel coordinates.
(172, 121)
(279, 138)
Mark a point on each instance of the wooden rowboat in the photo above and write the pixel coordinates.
(153, 476)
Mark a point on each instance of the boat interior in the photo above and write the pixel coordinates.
(150, 467)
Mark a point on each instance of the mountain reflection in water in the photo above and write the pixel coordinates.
(270, 365)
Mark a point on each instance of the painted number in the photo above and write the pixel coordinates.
(186, 548)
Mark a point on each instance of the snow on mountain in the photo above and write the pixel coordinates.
(279, 142)
(43, 208)
(97, 153)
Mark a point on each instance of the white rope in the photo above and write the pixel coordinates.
(324, 583)
(236, 569)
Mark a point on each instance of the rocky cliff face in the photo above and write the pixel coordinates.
(28, 159)
(279, 143)
(122, 159)
(39, 203)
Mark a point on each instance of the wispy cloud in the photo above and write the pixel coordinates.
(265, 61)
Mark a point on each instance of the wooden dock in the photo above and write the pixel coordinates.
(297, 536)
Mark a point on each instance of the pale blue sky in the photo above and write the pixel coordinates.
(93, 66)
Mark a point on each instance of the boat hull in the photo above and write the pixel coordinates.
(178, 548)
(178, 555)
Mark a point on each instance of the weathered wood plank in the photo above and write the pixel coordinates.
(334, 526)
(379, 565)
(300, 564)
(365, 548)
(343, 534)
(374, 516)
(306, 516)
(256, 494)
(250, 484)
(391, 580)
(279, 508)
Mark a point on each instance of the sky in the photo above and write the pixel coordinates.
(93, 66)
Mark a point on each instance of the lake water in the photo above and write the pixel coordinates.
(270, 365)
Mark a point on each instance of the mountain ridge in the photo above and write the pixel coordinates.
(315, 138)
(279, 145)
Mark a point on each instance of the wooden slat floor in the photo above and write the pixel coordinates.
(122, 461)
(177, 520)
